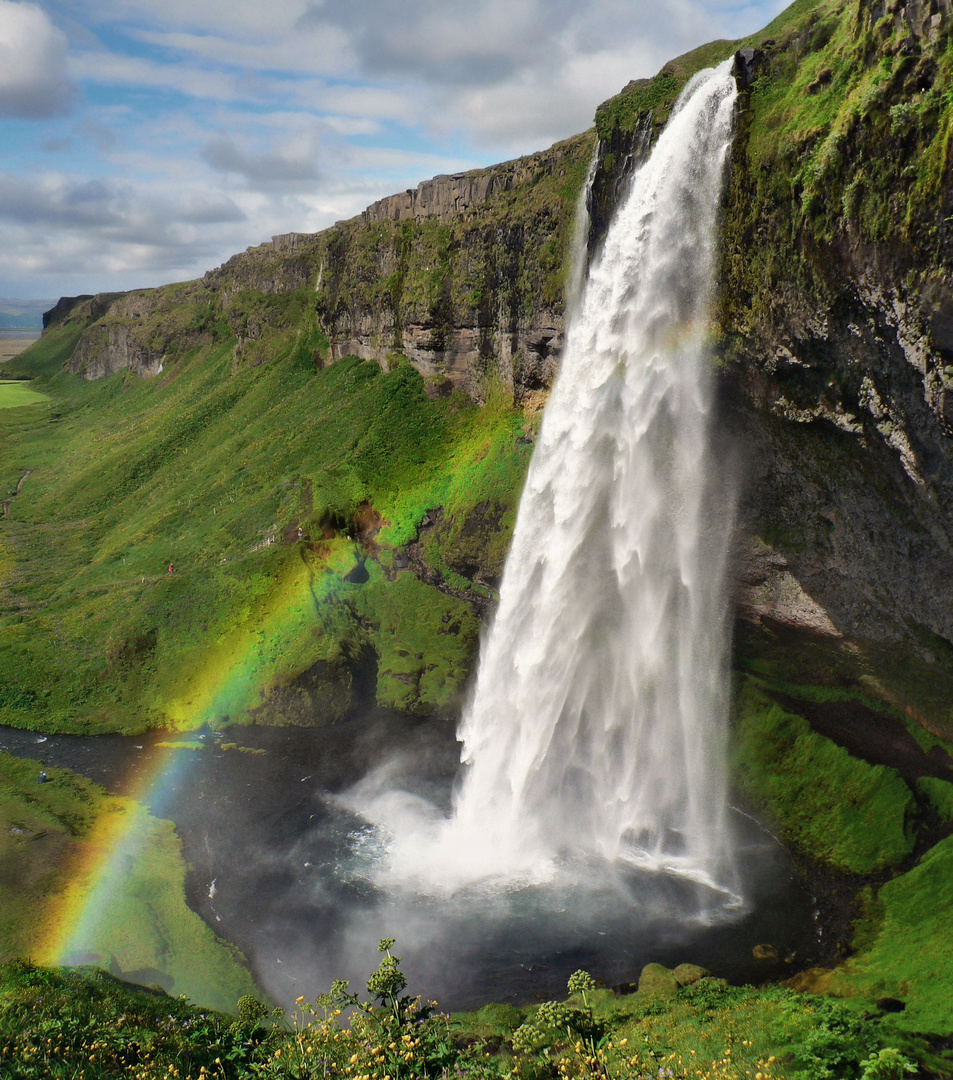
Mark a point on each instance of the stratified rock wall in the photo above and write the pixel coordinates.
(835, 305)
(463, 275)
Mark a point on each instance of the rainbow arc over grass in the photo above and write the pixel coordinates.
(78, 925)
(225, 680)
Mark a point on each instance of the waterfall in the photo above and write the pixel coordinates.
(596, 728)
(579, 246)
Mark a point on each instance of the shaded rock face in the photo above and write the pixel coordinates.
(136, 331)
(462, 275)
(442, 197)
(62, 308)
(921, 18)
(617, 158)
(458, 357)
(115, 346)
(838, 385)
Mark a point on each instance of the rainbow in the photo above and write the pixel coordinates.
(81, 924)
(78, 924)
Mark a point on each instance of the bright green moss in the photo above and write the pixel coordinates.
(827, 804)
(939, 794)
(906, 946)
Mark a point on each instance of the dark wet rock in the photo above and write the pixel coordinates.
(766, 954)
(891, 1005)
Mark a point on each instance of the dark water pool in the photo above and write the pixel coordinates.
(276, 867)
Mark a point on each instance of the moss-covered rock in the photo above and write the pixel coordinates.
(658, 981)
(686, 974)
(832, 807)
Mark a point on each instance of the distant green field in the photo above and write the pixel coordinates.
(15, 394)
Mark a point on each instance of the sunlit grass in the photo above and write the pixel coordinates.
(87, 873)
(247, 483)
(14, 395)
(55, 1023)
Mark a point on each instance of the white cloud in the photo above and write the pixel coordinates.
(212, 125)
(33, 85)
(112, 69)
(274, 169)
(322, 50)
(249, 18)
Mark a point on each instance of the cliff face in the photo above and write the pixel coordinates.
(464, 276)
(837, 284)
(834, 312)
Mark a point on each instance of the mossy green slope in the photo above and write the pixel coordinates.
(264, 488)
(828, 805)
(904, 944)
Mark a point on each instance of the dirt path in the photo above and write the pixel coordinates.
(5, 505)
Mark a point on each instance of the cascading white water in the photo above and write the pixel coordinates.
(596, 727)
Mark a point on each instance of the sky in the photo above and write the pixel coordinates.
(146, 141)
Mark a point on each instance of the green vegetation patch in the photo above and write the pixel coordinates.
(904, 940)
(54, 1022)
(65, 1023)
(827, 804)
(939, 794)
(90, 874)
(280, 493)
(14, 395)
(39, 824)
(891, 682)
(423, 640)
(135, 920)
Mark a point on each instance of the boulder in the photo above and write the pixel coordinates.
(657, 980)
(686, 974)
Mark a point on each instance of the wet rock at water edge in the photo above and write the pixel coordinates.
(766, 954)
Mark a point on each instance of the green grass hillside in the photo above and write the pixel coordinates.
(284, 498)
(84, 874)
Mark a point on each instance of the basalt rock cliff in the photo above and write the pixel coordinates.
(463, 275)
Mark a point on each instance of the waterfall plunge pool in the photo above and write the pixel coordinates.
(282, 869)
